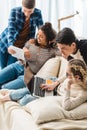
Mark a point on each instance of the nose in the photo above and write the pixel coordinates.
(38, 36)
(60, 49)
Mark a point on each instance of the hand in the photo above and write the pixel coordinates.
(11, 51)
(32, 41)
(26, 53)
(49, 87)
(69, 83)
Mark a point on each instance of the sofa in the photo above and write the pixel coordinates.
(45, 113)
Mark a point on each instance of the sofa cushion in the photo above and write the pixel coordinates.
(50, 108)
(45, 109)
(50, 68)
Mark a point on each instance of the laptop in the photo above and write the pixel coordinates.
(38, 92)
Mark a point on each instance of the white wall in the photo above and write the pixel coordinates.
(52, 10)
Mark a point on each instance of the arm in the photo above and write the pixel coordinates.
(11, 28)
(69, 102)
(49, 87)
(39, 19)
(26, 53)
(55, 84)
(15, 24)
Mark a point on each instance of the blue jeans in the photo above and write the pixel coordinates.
(23, 96)
(12, 76)
(6, 59)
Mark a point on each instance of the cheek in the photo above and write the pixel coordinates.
(43, 40)
(64, 52)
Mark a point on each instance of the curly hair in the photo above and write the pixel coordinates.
(78, 67)
(50, 34)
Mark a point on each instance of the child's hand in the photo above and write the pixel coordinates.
(48, 87)
(69, 83)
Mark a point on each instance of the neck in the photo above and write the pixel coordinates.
(27, 18)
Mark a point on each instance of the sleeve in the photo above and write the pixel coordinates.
(40, 19)
(12, 33)
(27, 45)
(71, 103)
(61, 79)
(57, 52)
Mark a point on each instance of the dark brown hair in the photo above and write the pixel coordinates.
(48, 31)
(66, 36)
(28, 3)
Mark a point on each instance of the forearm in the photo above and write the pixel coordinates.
(70, 103)
(61, 79)
(12, 30)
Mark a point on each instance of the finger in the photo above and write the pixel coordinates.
(42, 85)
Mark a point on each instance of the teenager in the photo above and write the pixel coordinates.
(70, 46)
(21, 27)
(73, 89)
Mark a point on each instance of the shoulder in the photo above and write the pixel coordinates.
(37, 11)
(17, 13)
(16, 9)
(83, 43)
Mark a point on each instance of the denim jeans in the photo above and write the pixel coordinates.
(12, 76)
(6, 59)
(23, 96)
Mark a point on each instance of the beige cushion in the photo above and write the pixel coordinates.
(63, 65)
(50, 68)
(49, 108)
(45, 109)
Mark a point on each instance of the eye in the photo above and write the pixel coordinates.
(67, 74)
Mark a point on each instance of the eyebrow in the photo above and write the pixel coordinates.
(62, 47)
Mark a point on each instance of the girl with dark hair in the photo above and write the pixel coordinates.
(36, 54)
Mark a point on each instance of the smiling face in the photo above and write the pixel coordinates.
(66, 50)
(41, 38)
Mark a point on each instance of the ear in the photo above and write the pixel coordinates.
(77, 77)
(73, 44)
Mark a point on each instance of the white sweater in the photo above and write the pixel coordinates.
(73, 97)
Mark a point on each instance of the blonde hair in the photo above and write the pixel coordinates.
(78, 67)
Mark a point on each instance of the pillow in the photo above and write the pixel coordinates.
(49, 109)
(50, 68)
(45, 109)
